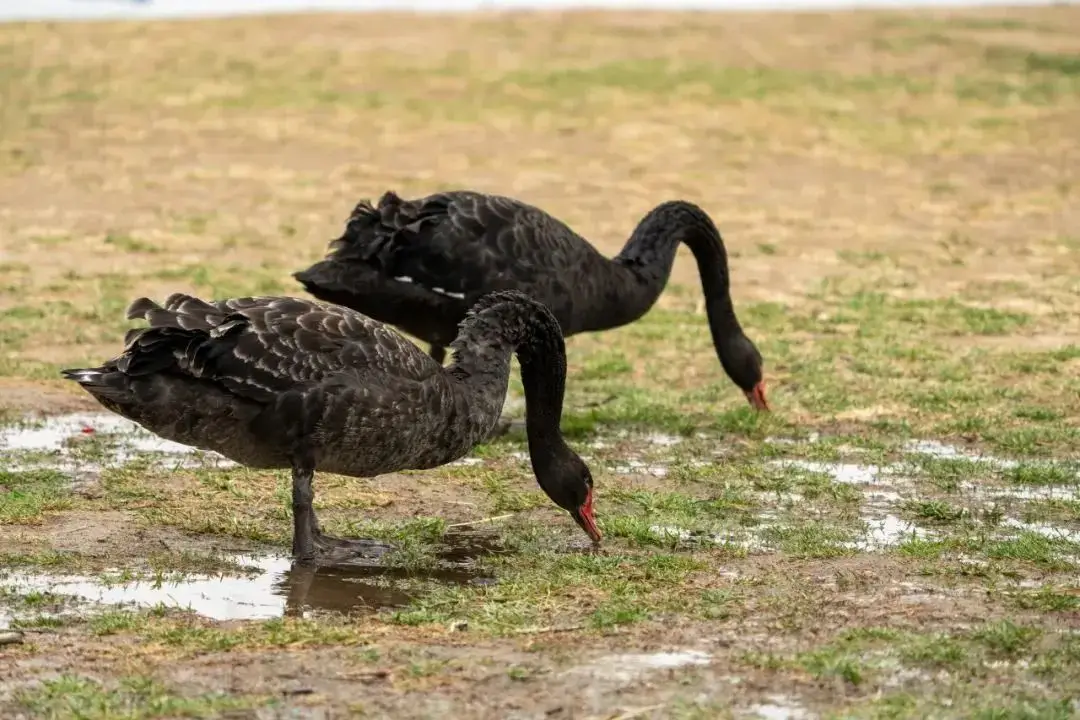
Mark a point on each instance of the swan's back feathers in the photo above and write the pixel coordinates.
(258, 347)
(463, 244)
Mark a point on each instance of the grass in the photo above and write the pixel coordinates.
(133, 697)
(894, 192)
(31, 493)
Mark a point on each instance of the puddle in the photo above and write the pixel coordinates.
(890, 476)
(1044, 492)
(637, 467)
(275, 588)
(748, 541)
(847, 473)
(780, 708)
(882, 498)
(1045, 529)
(883, 533)
(630, 667)
(60, 435)
(937, 449)
(884, 488)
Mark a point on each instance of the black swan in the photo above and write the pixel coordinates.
(421, 264)
(280, 382)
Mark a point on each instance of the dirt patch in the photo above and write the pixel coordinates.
(551, 674)
(1037, 342)
(20, 397)
(113, 537)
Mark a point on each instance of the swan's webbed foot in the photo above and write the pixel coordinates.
(334, 551)
(349, 551)
(327, 550)
(311, 546)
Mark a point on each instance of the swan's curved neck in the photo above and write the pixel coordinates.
(650, 253)
(498, 325)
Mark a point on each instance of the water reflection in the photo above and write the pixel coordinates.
(276, 586)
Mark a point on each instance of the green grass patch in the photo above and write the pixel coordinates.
(26, 496)
(72, 696)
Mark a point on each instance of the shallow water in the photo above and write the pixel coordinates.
(847, 473)
(637, 467)
(276, 586)
(627, 668)
(1045, 529)
(780, 707)
(884, 490)
(883, 533)
(60, 436)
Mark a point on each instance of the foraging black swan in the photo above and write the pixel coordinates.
(421, 264)
(279, 382)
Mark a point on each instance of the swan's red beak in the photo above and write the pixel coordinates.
(757, 397)
(583, 516)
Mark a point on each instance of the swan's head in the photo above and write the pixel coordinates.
(743, 364)
(583, 513)
(569, 484)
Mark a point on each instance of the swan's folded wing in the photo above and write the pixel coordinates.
(259, 347)
(466, 244)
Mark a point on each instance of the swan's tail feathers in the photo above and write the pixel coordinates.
(140, 307)
(327, 279)
(362, 222)
(360, 256)
(103, 383)
(341, 283)
(389, 200)
(180, 310)
(312, 277)
(84, 376)
(352, 261)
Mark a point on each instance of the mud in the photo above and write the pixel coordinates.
(610, 675)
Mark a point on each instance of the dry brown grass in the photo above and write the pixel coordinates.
(927, 156)
(243, 143)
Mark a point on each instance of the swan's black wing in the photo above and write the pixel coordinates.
(464, 244)
(258, 347)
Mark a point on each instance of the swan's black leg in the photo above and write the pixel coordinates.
(438, 352)
(310, 543)
(303, 515)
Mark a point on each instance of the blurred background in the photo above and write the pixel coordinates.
(908, 156)
(71, 9)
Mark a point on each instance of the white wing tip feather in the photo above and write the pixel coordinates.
(441, 291)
